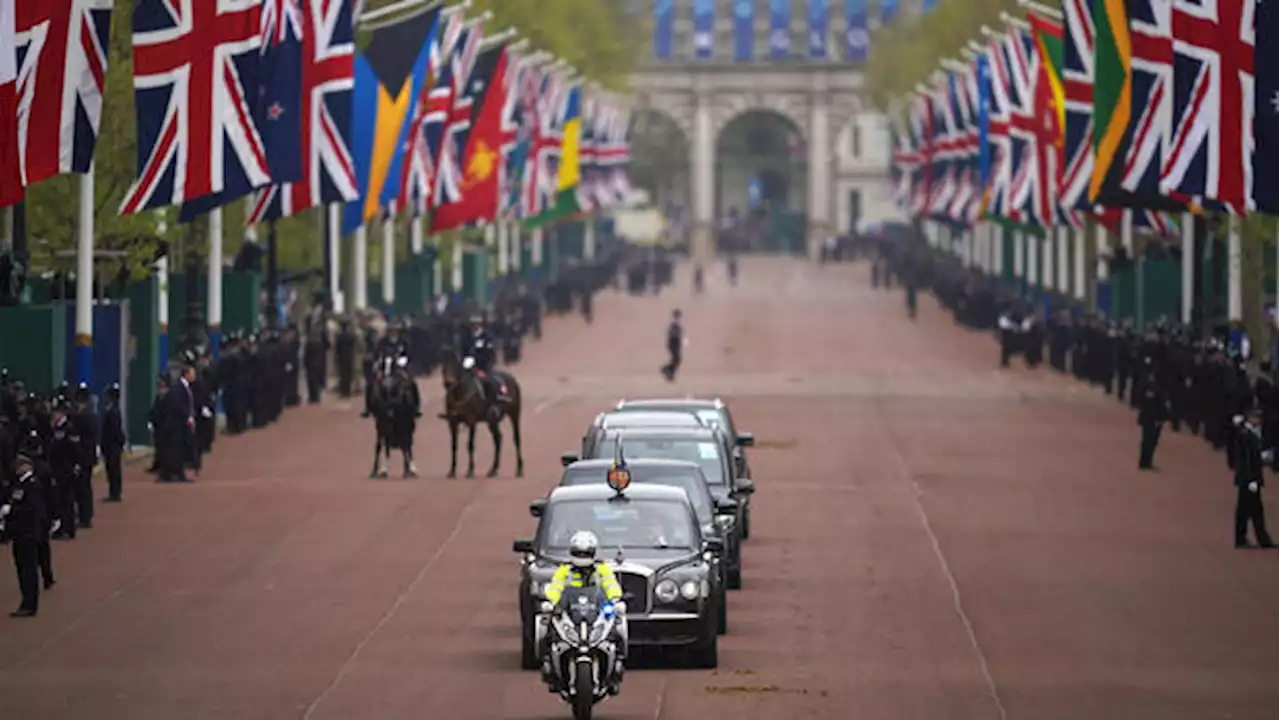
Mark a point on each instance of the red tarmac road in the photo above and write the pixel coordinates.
(932, 538)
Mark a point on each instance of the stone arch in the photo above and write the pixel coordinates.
(766, 147)
(660, 151)
(735, 106)
(674, 107)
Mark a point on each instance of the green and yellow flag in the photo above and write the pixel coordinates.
(570, 163)
(1112, 90)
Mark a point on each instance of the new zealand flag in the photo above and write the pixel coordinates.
(275, 102)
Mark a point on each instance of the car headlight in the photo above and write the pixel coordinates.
(666, 591)
(689, 590)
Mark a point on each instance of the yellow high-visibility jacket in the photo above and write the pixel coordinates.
(571, 576)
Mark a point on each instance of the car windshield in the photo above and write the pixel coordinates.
(619, 524)
(688, 480)
(712, 416)
(706, 453)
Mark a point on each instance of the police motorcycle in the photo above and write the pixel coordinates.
(585, 666)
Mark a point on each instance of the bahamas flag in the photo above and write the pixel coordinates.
(388, 76)
(570, 162)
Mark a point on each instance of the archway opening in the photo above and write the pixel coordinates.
(660, 160)
(761, 183)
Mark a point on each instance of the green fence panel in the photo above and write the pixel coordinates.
(373, 292)
(1162, 289)
(475, 276)
(413, 287)
(1006, 255)
(34, 345)
(144, 356)
(241, 306)
(1123, 286)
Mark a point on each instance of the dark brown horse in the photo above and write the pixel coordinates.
(465, 403)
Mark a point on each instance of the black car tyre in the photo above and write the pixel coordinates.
(733, 578)
(746, 522)
(528, 648)
(706, 654)
(722, 612)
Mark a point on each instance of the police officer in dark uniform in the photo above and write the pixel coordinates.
(315, 353)
(64, 461)
(86, 425)
(1153, 410)
(112, 443)
(344, 355)
(1249, 456)
(25, 519)
(675, 346)
(480, 347)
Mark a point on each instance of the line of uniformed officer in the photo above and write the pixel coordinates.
(1170, 373)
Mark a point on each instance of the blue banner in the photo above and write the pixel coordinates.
(779, 29)
(888, 11)
(744, 30)
(818, 13)
(704, 29)
(857, 41)
(1266, 112)
(929, 6)
(664, 28)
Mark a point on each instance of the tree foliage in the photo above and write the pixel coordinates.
(909, 50)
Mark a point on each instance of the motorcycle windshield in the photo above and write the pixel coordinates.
(582, 604)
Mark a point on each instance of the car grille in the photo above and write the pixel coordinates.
(635, 590)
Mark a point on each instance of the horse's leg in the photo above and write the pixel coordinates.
(385, 464)
(471, 450)
(515, 439)
(377, 453)
(410, 467)
(453, 449)
(495, 430)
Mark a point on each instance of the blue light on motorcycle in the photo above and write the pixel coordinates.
(607, 610)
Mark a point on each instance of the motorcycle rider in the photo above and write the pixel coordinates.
(584, 570)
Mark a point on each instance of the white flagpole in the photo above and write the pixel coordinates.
(455, 277)
(162, 296)
(1235, 290)
(415, 234)
(360, 269)
(214, 302)
(1188, 266)
(335, 257)
(84, 282)
(504, 251)
(389, 256)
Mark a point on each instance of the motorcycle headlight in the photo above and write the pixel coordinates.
(666, 591)
(689, 590)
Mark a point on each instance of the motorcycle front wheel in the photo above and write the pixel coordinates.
(583, 692)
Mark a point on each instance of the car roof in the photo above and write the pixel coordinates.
(668, 433)
(671, 402)
(604, 492)
(647, 418)
(607, 463)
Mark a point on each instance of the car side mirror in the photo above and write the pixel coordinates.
(746, 439)
(537, 506)
(726, 506)
(522, 546)
(567, 459)
(713, 545)
(744, 486)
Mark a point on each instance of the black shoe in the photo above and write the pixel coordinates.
(22, 613)
(1243, 545)
(443, 416)
(86, 524)
(48, 584)
(111, 499)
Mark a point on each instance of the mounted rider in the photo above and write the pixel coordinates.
(479, 348)
(394, 364)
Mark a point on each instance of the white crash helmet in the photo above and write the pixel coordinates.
(582, 548)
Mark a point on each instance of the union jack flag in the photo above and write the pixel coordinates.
(915, 160)
(905, 163)
(1077, 87)
(453, 148)
(1001, 143)
(62, 67)
(1151, 59)
(587, 200)
(1211, 154)
(620, 152)
(541, 175)
(610, 154)
(430, 113)
(328, 171)
(192, 61)
(516, 132)
(943, 155)
(11, 186)
(965, 97)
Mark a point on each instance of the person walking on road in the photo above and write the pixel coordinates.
(1248, 458)
(1153, 410)
(675, 345)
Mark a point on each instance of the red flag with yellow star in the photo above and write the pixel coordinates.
(476, 198)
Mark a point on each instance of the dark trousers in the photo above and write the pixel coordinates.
(26, 560)
(672, 366)
(173, 459)
(1150, 439)
(82, 492)
(64, 506)
(111, 461)
(1249, 509)
(315, 382)
(44, 553)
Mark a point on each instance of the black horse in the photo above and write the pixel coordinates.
(465, 402)
(394, 404)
